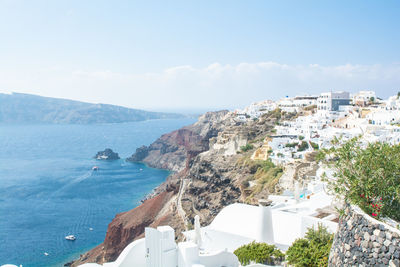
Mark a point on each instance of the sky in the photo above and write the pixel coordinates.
(197, 55)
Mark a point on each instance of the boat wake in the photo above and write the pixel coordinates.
(70, 184)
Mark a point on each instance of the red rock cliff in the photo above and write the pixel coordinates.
(128, 226)
(171, 151)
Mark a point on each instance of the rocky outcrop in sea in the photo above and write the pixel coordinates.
(107, 154)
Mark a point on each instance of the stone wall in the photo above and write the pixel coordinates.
(363, 241)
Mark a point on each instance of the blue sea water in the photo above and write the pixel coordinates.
(48, 189)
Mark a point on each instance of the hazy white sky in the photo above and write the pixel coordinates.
(172, 55)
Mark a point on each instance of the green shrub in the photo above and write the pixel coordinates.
(367, 176)
(265, 165)
(301, 137)
(276, 113)
(267, 176)
(259, 253)
(245, 183)
(246, 147)
(320, 156)
(315, 146)
(264, 172)
(303, 146)
(291, 144)
(313, 250)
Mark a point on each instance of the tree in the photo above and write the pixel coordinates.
(246, 148)
(367, 176)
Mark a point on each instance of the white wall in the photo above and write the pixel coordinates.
(133, 255)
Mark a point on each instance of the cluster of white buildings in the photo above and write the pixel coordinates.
(332, 115)
(328, 102)
(256, 109)
(295, 104)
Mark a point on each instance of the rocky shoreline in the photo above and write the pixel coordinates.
(208, 175)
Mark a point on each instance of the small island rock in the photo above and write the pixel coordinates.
(107, 154)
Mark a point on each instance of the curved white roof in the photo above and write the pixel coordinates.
(239, 219)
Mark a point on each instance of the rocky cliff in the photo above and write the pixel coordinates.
(210, 170)
(127, 226)
(172, 150)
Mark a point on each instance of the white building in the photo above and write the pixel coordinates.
(384, 117)
(236, 225)
(393, 103)
(306, 100)
(294, 104)
(256, 109)
(331, 101)
(362, 98)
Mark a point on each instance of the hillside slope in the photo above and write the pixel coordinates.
(210, 173)
(26, 108)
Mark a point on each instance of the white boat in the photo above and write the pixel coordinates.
(90, 229)
(46, 254)
(95, 168)
(70, 237)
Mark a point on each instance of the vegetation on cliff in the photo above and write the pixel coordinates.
(265, 174)
(246, 148)
(367, 176)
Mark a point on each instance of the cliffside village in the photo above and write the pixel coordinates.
(323, 118)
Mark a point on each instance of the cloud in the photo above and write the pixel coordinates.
(212, 86)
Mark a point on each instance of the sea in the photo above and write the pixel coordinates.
(48, 189)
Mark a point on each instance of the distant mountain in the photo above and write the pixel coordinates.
(26, 108)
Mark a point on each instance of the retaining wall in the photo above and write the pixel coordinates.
(364, 241)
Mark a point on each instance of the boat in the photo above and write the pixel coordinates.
(46, 254)
(70, 237)
(90, 229)
(95, 168)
